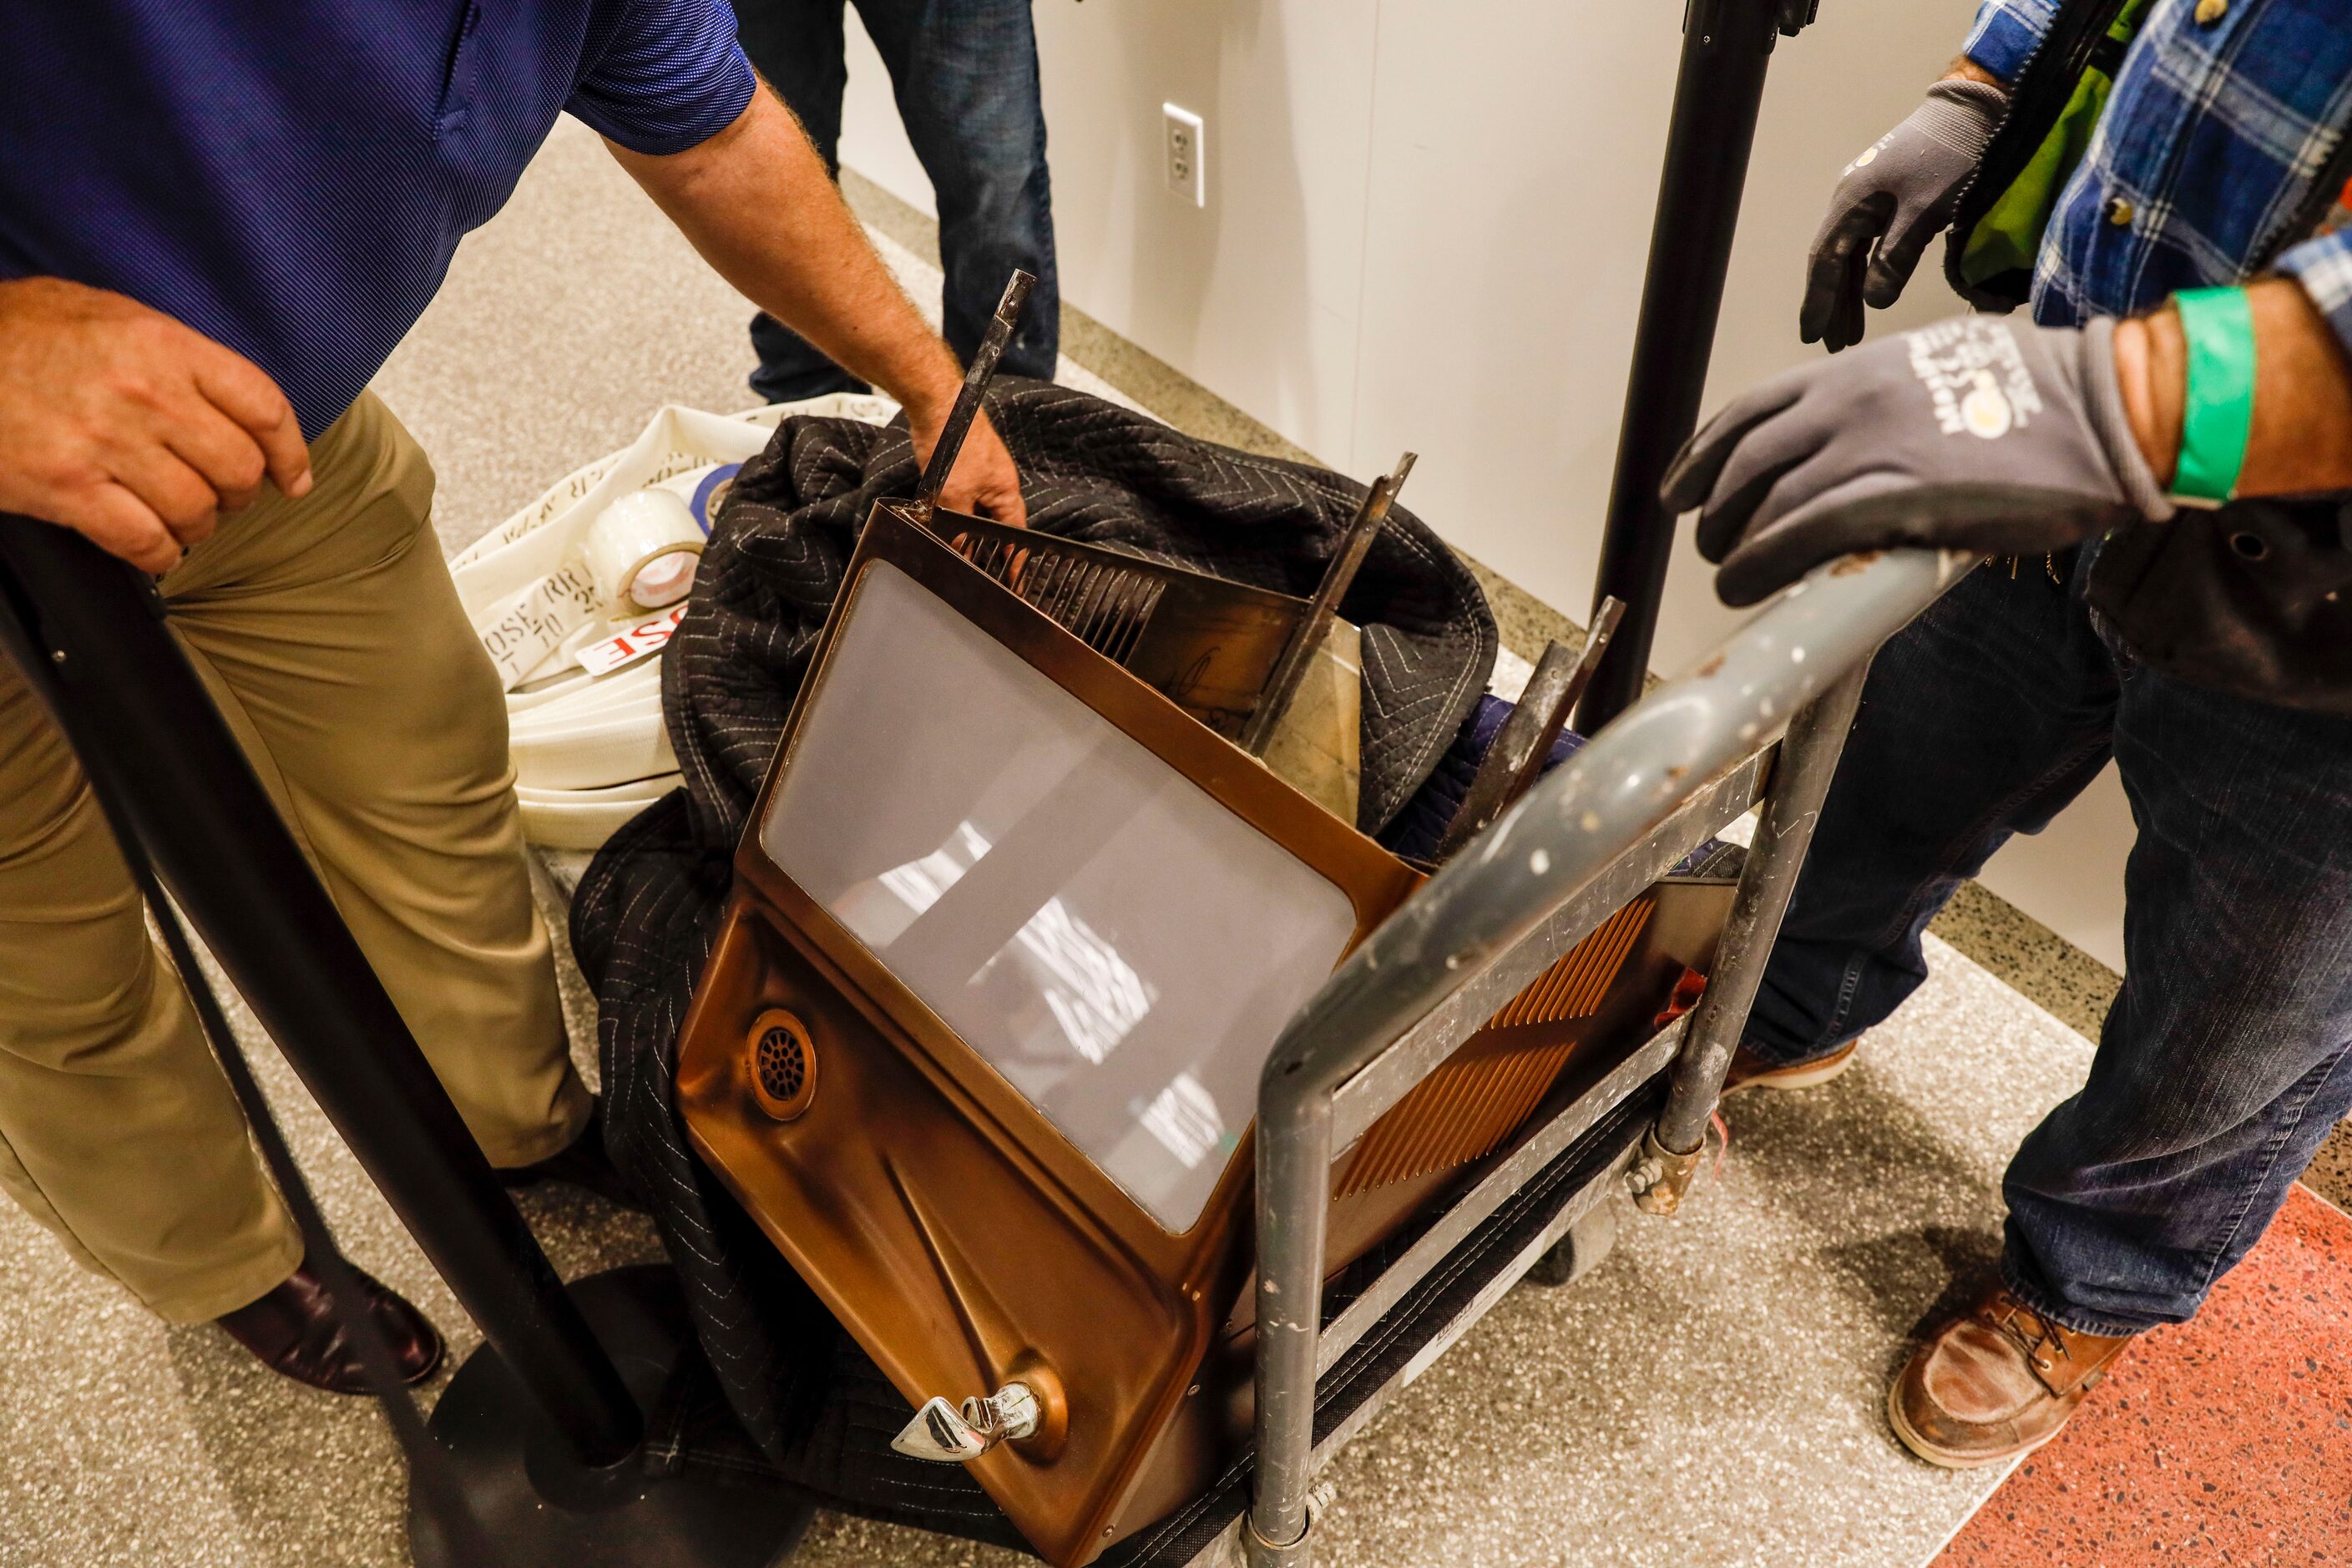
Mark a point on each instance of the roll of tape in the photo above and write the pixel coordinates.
(710, 490)
(643, 548)
(534, 602)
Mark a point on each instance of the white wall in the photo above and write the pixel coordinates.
(1426, 228)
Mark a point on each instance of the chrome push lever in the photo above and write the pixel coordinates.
(946, 1436)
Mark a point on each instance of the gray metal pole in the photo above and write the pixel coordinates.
(1506, 883)
(1294, 1176)
(1792, 808)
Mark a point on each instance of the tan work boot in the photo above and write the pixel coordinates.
(1995, 1382)
(1749, 1071)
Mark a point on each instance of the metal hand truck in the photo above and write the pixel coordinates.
(1689, 758)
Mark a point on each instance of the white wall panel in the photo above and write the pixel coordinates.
(1514, 169)
(1256, 295)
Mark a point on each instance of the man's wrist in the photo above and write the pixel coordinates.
(926, 390)
(2152, 369)
(1963, 69)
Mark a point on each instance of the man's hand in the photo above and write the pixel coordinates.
(755, 201)
(1973, 434)
(983, 481)
(1891, 201)
(122, 425)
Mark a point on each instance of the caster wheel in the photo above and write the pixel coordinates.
(1579, 1252)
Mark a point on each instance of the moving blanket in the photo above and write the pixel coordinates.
(819, 1412)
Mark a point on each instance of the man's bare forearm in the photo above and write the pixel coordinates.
(2300, 439)
(755, 201)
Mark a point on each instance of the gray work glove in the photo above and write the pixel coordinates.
(1973, 434)
(1896, 197)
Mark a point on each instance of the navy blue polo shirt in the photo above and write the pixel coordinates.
(291, 178)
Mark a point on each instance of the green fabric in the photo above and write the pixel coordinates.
(2009, 237)
(2217, 412)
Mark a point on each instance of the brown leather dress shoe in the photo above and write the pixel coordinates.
(294, 1332)
(1996, 1382)
(1749, 1071)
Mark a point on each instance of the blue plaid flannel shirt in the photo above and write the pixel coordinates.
(2212, 139)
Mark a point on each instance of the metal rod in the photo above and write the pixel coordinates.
(1498, 890)
(137, 717)
(966, 403)
(1522, 741)
(1516, 760)
(1725, 45)
(1784, 831)
(1307, 637)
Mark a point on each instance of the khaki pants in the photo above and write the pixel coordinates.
(330, 635)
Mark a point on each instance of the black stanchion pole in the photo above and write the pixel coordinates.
(91, 631)
(1717, 91)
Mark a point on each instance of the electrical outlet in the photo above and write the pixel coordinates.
(1186, 169)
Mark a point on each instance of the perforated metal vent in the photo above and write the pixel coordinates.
(1106, 604)
(784, 1064)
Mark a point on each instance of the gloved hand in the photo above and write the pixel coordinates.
(1897, 197)
(1973, 434)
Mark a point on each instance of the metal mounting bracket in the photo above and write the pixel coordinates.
(1661, 1179)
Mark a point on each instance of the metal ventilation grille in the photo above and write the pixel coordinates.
(1104, 605)
(1469, 1106)
(784, 1064)
(1573, 987)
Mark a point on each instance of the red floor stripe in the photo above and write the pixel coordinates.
(2226, 1440)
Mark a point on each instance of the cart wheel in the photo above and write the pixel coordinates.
(1579, 1252)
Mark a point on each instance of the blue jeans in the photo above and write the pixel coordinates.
(2222, 1063)
(964, 73)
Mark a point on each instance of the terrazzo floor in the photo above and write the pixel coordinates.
(2220, 1441)
(1711, 1394)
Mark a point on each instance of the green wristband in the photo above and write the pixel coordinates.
(2217, 412)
